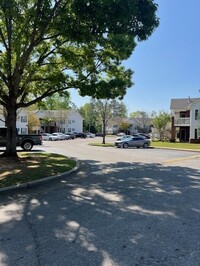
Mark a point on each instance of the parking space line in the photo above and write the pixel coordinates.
(182, 159)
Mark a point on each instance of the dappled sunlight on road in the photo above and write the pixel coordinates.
(11, 212)
(93, 192)
(3, 258)
(141, 210)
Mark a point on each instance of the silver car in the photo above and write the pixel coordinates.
(132, 141)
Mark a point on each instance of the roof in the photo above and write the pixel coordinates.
(182, 104)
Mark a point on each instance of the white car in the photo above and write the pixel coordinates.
(45, 136)
(54, 137)
(122, 137)
(60, 135)
(90, 135)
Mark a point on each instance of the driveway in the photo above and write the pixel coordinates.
(123, 207)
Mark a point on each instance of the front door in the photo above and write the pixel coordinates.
(182, 135)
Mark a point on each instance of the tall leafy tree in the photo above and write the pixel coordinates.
(104, 113)
(119, 109)
(160, 121)
(142, 119)
(105, 110)
(56, 102)
(49, 46)
(87, 112)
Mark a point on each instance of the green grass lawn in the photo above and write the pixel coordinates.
(100, 144)
(159, 144)
(32, 166)
(175, 145)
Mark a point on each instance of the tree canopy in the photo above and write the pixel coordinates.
(49, 46)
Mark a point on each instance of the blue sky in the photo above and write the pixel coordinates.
(167, 65)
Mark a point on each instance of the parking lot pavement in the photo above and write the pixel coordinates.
(123, 207)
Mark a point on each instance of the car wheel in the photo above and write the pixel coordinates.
(125, 145)
(137, 147)
(145, 145)
(27, 145)
(50, 139)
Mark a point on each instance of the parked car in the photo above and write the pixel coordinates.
(70, 136)
(132, 141)
(98, 134)
(122, 137)
(54, 137)
(146, 136)
(60, 135)
(80, 135)
(45, 136)
(26, 141)
(90, 135)
(120, 134)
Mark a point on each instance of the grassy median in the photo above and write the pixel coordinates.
(32, 166)
(157, 144)
(176, 145)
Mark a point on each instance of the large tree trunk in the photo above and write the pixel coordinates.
(11, 131)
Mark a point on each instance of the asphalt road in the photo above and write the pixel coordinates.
(123, 207)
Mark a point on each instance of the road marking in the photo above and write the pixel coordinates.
(182, 159)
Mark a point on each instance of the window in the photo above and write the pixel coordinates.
(24, 119)
(196, 114)
(182, 114)
(23, 130)
(195, 133)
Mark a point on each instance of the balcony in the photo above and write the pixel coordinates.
(182, 121)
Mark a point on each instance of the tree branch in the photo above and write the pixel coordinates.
(44, 95)
(3, 39)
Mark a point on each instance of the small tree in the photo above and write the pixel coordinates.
(124, 126)
(160, 120)
(33, 122)
(104, 111)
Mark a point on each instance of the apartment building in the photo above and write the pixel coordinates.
(185, 119)
(60, 121)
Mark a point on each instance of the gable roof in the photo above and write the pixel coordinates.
(182, 104)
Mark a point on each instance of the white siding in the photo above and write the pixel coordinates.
(66, 120)
(194, 122)
(21, 123)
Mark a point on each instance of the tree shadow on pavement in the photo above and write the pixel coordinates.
(116, 214)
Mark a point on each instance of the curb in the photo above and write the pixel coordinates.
(175, 149)
(40, 181)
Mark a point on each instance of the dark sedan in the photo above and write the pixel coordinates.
(81, 135)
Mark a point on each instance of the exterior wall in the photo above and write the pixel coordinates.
(21, 123)
(62, 121)
(195, 123)
(74, 122)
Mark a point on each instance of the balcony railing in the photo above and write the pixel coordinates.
(182, 121)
